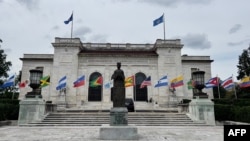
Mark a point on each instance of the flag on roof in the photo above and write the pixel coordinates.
(69, 20)
(228, 83)
(158, 20)
(176, 82)
(162, 82)
(245, 82)
(96, 82)
(44, 81)
(10, 82)
(62, 83)
(79, 82)
(146, 82)
(129, 81)
(213, 82)
(109, 84)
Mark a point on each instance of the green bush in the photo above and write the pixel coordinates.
(241, 114)
(223, 112)
(241, 102)
(9, 109)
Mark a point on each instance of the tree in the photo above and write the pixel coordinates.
(244, 64)
(4, 65)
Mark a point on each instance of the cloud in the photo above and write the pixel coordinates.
(174, 3)
(99, 38)
(235, 28)
(55, 27)
(239, 42)
(81, 32)
(196, 41)
(30, 4)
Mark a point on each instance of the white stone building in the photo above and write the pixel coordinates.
(72, 58)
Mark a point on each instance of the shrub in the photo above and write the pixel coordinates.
(223, 112)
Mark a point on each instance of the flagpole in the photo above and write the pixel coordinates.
(164, 27)
(218, 86)
(234, 88)
(72, 25)
(135, 90)
(101, 94)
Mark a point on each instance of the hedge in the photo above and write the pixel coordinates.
(9, 109)
(233, 113)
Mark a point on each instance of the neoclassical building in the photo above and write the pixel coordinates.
(72, 58)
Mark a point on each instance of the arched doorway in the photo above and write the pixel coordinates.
(95, 87)
(140, 94)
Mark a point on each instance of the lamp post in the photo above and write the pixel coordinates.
(198, 77)
(35, 76)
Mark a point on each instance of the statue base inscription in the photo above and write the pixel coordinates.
(118, 116)
(108, 132)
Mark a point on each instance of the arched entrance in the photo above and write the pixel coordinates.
(140, 94)
(95, 87)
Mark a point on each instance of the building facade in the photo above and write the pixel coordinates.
(72, 59)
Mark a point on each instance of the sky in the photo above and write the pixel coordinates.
(215, 28)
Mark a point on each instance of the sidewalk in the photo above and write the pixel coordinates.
(146, 133)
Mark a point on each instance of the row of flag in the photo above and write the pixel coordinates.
(130, 81)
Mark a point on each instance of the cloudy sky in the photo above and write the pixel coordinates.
(217, 28)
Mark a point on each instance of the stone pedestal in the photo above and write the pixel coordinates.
(31, 110)
(118, 116)
(128, 132)
(202, 110)
(118, 128)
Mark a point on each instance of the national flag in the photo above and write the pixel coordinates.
(79, 82)
(23, 84)
(44, 81)
(146, 82)
(62, 83)
(96, 82)
(213, 82)
(129, 81)
(191, 84)
(158, 20)
(10, 82)
(176, 82)
(245, 82)
(228, 83)
(109, 84)
(69, 20)
(162, 82)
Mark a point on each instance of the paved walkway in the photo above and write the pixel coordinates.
(170, 133)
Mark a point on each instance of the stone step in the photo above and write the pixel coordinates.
(99, 118)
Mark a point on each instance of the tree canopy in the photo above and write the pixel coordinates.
(244, 64)
(4, 65)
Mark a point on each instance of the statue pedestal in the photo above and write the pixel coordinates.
(31, 110)
(118, 128)
(128, 132)
(118, 116)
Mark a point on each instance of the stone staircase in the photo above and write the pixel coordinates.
(99, 118)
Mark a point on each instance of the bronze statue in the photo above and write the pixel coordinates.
(119, 87)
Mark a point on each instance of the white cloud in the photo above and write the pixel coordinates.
(196, 41)
(235, 28)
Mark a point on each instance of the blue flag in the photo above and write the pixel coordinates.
(162, 82)
(158, 21)
(10, 82)
(69, 20)
(62, 83)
